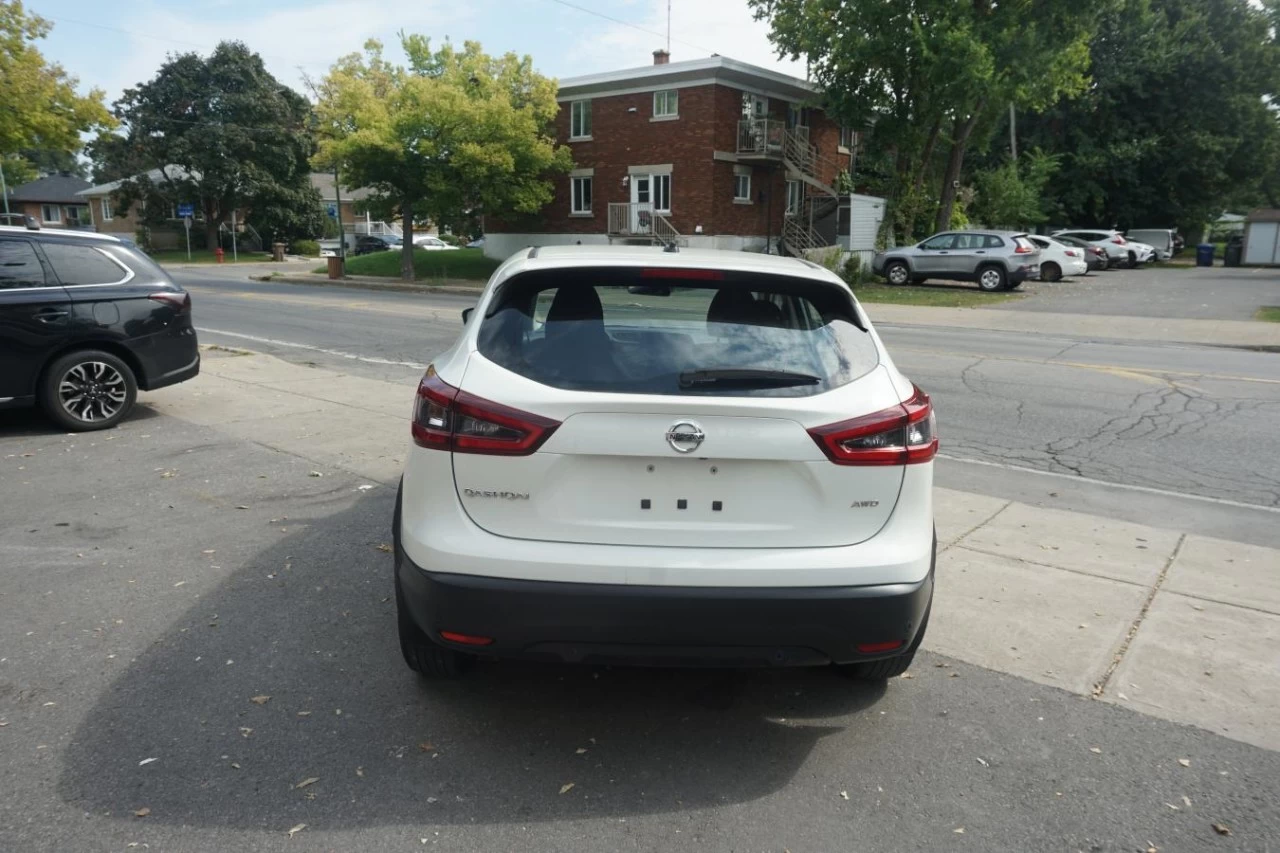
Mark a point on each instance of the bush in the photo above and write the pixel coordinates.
(306, 248)
(854, 272)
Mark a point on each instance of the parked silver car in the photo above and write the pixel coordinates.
(996, 260)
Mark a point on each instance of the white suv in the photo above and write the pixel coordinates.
(647, 456)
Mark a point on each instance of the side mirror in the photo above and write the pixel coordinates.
(466, 315)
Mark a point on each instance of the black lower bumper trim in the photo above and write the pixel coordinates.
(668, 626)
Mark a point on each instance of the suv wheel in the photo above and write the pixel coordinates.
(88, 390)
(424, 657)
(897, 273)
(992, 278)
(1050, 272)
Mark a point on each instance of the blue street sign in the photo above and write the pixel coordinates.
(333, 211)
(186, 210)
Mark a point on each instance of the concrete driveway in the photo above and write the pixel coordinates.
(1200, 293)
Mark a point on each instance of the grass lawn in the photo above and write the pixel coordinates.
(463, 263)
(1268, 314)
(205, 256)
(925, 295)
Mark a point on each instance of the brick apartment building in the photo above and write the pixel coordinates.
(711, 153)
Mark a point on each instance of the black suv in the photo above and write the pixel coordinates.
(85, 321)
(376, 243)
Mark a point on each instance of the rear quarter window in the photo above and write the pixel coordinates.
(77, 265)
(614, 330)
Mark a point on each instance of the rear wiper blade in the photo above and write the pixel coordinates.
(745, 378)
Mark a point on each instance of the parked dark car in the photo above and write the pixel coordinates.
(1096, 256)
(85, 322)
(377, 243)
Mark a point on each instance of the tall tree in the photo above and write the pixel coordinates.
(1177, 124)
(238, 136)
(927, 73)
(452, 131)
(40, 108)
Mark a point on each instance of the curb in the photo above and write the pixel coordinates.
(367, 284)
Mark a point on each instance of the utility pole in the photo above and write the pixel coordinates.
(342, 237)
(1013, 133)
(4, 190)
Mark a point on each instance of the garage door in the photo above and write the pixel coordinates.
(1260, 247)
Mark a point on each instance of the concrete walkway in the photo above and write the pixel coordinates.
(1173, 625)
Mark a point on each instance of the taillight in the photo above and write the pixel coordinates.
(1118, 240)
(902, 435)
(1072, 253)
(445, 418)
(1022, 247)
(180, 302)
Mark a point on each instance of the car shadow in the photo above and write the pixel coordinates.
(290, 671)
(30, 421)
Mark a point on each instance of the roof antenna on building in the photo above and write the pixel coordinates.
(668, 26)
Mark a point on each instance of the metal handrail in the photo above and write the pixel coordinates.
(761, 136)
(639, 219)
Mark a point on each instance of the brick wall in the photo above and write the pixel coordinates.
(702, 187)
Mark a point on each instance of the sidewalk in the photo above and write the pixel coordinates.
(1235, 333)
(1169, 624)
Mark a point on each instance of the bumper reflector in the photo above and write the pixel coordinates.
(466, 639)
(874, 648)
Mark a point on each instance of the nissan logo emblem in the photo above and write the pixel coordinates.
(685, 437)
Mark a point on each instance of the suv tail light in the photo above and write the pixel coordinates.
(1118, 240)
(1072, 253)
(445, 418)
(180, 302)
(1022, 247)
(903, 435)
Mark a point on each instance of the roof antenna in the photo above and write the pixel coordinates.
(671, 247)
(668, 26)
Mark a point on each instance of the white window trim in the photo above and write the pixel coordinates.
(741, 172)
(57, 211)
(791, 211)
(573, 210)
(104, 205)
(655, 169)
(666, 93)
(572, 105)
(653, 192)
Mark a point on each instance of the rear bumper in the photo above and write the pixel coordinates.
(1024, 272)
(665, 626)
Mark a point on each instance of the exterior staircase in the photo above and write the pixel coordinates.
(631, 222)
(803, 162)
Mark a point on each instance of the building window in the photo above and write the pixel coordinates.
(847, 137)
(666, 104)
(742, 186)
(78, 215)
(580, 120)
(106, 210)
(581, 201)
(795, 115)
(755, 106)
(795, 197)
(51, 212)
(662, 193)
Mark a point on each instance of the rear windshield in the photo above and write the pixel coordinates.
(662, 331)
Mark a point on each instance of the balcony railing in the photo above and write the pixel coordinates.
(765, 137)
(639, 219)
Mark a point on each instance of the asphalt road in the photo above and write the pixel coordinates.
(198, 653)
(1194, 293)
(1154, 434)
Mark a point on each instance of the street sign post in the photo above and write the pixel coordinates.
(187, 211)
(332, 210)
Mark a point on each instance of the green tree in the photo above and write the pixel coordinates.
(453, 131)
(931, 72)
(239, 137)
(1011, 194)
(40, 109)
(1177, 124)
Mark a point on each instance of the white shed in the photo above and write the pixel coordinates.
(866, 212)
(1262, 237)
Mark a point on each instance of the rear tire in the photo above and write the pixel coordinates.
(897, 273)
(881, 670)
(1133, 260)
(424, 657)
(992, 278)
(1050, 272)
(88, 390)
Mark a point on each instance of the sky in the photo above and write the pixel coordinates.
(115, 44)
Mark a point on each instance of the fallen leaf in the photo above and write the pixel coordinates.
(209, 551)
(316, 474)
(566, 787)
(959, 830)
(580, 750)
(1084, 624)
(304, 713)
(1186, 801)
(245, 731)
(235, 766)
(310, 780)
(1222, 829)
(360, 771)
(983, 762)
(179, 583)
(147, 761)
(260, 700)
(242, 506)
(1121, 696)
(844, 795)
(167, 475)
(1185, 762)
(142, 812)
(1095, 750)
(297, 829)
(364, 488)
(385, 548)
(907, 675)
(1151, 848)
(426, 746)
(3, 723)
(1172, 806)
(955, 675)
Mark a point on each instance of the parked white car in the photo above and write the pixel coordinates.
(431, 243)
(1059, 259)
(1112, 242)
(1145, 252)
(640, 455)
